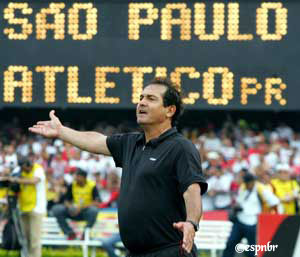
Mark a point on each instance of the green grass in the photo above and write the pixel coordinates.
(73, 252)
(54, 252)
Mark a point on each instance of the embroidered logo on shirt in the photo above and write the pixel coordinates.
(152, 159)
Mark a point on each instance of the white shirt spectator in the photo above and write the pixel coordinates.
(222, 183)
(82, 164)
(252, 206)
(85, 155)
(58, 167)
(51, 150)
(249, 140)
(254, 160)
(41, 200)
(207, 201)
(11, 160)
(23, 149)
(274, 137)
(58, 143)
(285, 131)
(93, 166)
(228, 152)
(68, 178)
(271, 159)
(285, 155)
(239, 165)
(212, 144)
(37, 147)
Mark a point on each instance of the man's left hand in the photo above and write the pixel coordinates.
(188, 234)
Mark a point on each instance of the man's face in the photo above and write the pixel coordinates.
(250, 185)
(80, 180)
(150, 109)
(26, 167)
(284, 175)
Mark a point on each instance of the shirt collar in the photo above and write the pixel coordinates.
(154, 142)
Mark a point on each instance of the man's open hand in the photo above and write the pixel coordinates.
(49, 128)
(188, 234)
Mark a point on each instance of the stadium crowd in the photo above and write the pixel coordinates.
(271, 155)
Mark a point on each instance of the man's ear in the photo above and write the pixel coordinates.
(171, 111)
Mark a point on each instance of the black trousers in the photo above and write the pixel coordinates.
(240, 230)
(173, 251)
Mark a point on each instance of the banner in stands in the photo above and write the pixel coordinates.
(281, 230)
(240, 55)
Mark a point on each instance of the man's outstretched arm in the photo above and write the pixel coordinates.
(193, 204)
(93, 142)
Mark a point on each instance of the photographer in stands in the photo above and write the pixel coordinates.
(32, 202)
(82, 198)
(250, 199)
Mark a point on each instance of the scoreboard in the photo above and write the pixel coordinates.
(237, 55)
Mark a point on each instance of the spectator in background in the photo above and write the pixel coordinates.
(286, 189)
(32, 202)
(211, 141)
(10, 159)
(23, 147)
(219, 188)
(109, 244)
(227, 149)
(113, 191)
(58, 165)
(56, 194)
(284, 131)
(271, 157)
(248, 206)
(113, 187)
(213, 159)
(5, 172)
(81, 200)
(240, 160)
(265, 179)
(285, 151)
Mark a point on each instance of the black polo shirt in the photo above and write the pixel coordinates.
(155, 176)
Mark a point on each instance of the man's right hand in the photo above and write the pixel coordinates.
(50, 128)
(90, 141)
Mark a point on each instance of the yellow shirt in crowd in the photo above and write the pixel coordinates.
(286, 189)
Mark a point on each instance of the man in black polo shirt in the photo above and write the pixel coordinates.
(160, 196)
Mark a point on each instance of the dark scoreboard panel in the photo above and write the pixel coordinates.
(240, 55)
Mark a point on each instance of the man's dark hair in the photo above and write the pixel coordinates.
(172, 96)
(81, 172)
(24, 161)
(248, 177)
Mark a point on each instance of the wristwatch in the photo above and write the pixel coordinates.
(195, 225)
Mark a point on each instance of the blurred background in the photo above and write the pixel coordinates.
(237, 64)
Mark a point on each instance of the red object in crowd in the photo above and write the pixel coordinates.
(253, 151)
(234, 187)
(64, 155)
(103, 183)
(296, 170)
(70, 169)
(113, 197)
(215, 215)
